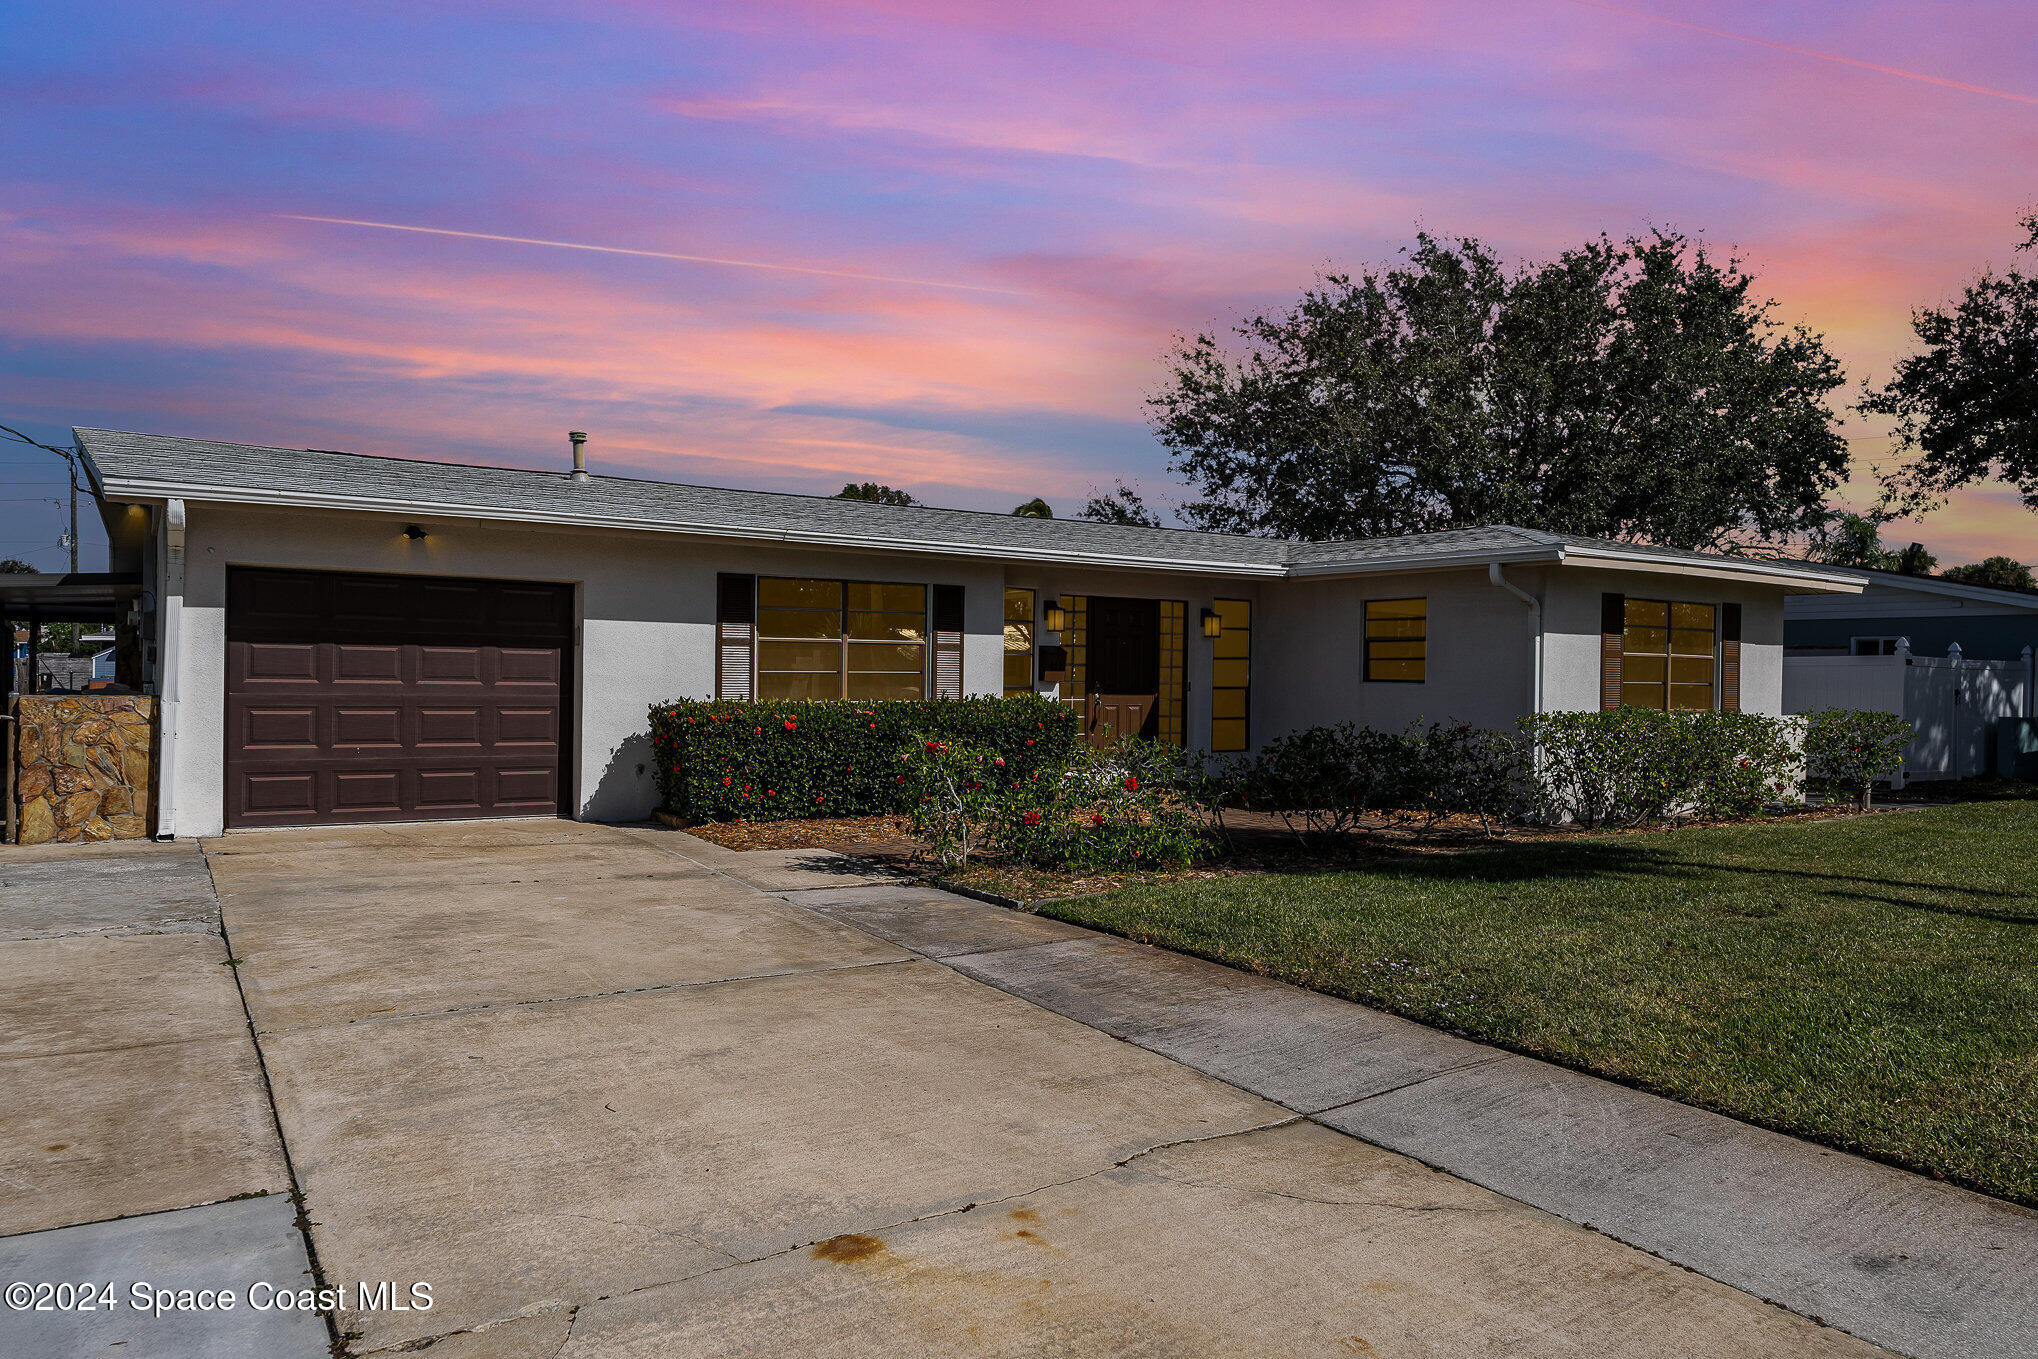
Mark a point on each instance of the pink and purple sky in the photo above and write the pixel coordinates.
(938, 245)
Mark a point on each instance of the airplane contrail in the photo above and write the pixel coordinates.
(1811, 52)
(656, 254)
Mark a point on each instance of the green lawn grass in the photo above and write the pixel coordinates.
(1871, 983)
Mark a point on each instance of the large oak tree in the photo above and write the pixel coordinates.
(1634, 390)
(1966, 404)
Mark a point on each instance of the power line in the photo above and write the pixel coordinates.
(70, 457)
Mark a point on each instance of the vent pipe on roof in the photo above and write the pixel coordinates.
(579, 438)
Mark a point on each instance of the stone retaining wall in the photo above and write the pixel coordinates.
(85, 767)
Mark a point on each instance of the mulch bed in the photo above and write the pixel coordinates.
(1254, 842)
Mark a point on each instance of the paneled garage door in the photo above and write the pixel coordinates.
(393, 698)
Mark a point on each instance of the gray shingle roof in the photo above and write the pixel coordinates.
(157, 466)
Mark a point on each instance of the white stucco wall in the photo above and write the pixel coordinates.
(1480, 654)
(645, 608)
(1571, 611)
(645, 621)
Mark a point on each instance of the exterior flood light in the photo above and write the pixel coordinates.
(1212, 624)
(415, 533)
(1056, 618)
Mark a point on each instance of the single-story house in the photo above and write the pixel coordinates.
(1933, 615)
(339, 637)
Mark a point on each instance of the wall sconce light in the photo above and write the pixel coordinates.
(1212, 624)
(415, 533)
(1056, 618)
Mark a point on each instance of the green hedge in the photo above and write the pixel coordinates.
(720, 760)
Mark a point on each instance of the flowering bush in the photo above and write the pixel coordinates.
(719, 760)
(1129, 807)
(955, 787)
(1138, 804)
(1624, 766)
(1847, 749)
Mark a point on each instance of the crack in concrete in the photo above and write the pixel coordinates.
(425, 1342)
(1328, 1203)
(743, 1262)
(337, 1340)
(1407, 1085)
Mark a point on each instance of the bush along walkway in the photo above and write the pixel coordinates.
(1913, 1264)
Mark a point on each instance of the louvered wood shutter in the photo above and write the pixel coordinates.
(1730, 658)
(948, 641)
(1613, 626)
(735, 634)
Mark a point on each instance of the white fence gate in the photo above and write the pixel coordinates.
(1952, 704)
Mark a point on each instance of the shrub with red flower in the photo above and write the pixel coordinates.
(838, 751)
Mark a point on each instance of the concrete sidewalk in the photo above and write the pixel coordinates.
(1912, 1264)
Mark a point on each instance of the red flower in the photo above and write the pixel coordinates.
(1096, 818)
(726, 781)
(1033, 818)
(1029, 740)
(819, 800)
(791, 725)
(1131, 784)
(771, 792)
(1000, 762)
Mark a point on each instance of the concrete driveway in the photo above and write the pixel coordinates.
(611, 1099)
(137, 1142)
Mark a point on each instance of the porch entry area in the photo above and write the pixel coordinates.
(1126, 666)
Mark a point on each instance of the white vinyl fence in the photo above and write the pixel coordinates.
(1952, 704)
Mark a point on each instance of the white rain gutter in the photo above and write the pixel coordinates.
(1493, 574)
(169, 662)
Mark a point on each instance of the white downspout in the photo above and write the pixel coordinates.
(169, 664)
(1536, 611)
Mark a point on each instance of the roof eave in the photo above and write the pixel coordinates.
(138, 489)
(1931, 585)
(1794, 579)
(1441, 561)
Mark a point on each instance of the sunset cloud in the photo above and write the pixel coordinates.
(791, 244)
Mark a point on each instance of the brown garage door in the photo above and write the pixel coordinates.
(392, 698)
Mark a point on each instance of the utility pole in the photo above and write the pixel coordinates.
(70, 457)
(71, 538)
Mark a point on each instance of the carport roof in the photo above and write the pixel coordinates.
(152, 467)
(79, 597)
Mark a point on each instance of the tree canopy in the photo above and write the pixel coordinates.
(875, 493)
(1635, 390)
(1998, 573)
(1856, 540)
(1122, 506)
(1035, 508)
(1966, 404)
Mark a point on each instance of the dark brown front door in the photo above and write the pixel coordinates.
(1124, 674)
(393, 698)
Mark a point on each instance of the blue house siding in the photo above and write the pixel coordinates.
(2000, 637)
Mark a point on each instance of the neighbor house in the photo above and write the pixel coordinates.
(337, 637)
(1933, 615)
